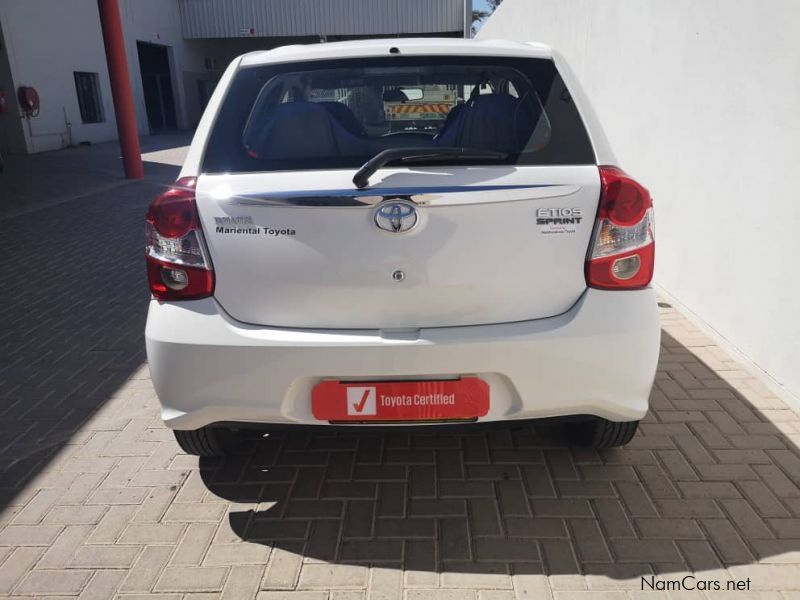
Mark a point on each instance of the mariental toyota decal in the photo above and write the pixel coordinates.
(466, 398)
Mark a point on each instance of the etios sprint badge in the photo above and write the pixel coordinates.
(558, 220)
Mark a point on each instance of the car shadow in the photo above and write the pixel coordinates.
(708, 484)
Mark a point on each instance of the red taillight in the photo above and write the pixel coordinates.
(622, 254)
(178, 267)
(624, 202)
(173, 213)
(193, 282)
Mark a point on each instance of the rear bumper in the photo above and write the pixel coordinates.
(598, 358)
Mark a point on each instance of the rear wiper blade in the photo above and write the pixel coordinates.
(361, 178)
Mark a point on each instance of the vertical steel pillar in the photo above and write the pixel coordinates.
(121, 88)
(467, 19)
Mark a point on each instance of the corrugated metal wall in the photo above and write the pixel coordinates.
(268, 18)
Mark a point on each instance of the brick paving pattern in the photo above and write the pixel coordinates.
(97, 501)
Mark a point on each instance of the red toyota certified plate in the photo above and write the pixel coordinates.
(466, 398)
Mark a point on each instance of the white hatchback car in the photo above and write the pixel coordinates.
(401, 232)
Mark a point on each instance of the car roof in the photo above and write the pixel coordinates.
(405, 46)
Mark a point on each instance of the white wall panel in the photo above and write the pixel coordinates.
(234, 18)
(700, 99)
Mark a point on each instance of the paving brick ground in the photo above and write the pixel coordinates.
(97, 501)
(47, 178)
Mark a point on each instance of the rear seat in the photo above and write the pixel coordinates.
(345, 117)
(302, 129)
(497, 122)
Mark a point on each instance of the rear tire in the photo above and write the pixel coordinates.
(601, 433)
(206, 441)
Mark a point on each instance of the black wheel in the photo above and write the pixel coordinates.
(600, 433)
(206, 441)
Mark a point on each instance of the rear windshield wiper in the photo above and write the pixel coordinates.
(361, 178)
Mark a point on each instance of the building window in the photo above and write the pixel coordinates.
(88, 87)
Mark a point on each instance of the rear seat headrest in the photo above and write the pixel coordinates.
(297, 130)
(496, 122)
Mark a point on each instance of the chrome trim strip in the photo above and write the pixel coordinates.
(422, 196)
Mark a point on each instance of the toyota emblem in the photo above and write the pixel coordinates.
(396, 217)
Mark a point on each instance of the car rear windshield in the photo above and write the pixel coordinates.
(338, 114)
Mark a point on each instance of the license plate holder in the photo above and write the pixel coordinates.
(400, 401)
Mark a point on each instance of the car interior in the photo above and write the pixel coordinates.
(317, 115)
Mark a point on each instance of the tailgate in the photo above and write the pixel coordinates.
(489, 245)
